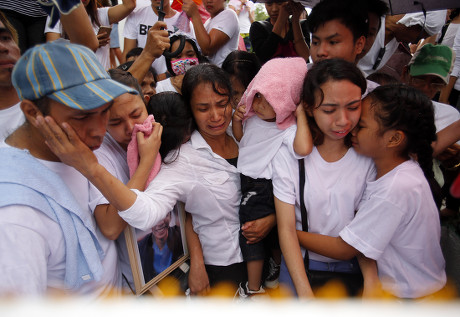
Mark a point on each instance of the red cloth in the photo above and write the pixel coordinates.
(455, 188)
(177, 5)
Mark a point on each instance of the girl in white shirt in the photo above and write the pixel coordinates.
(335, 175)
(219, 35)
(397, 224)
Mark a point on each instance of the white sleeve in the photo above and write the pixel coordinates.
(130, 28)
(456, 70)
(226, 22)
(380, 215)
(23, 260)
(159, 198)
(103, 15)
(55, 29)
(285, 176)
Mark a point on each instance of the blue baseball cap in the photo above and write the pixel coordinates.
(67, 73)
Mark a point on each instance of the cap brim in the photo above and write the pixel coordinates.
(424, 70)
(91, 95)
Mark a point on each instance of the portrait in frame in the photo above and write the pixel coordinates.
(157, 253)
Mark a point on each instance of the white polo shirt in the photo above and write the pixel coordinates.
(210, 188)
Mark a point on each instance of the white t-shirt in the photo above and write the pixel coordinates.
(444, 115)
(10, 119)
(102, 53)
(165, 85)
(112, 156)
(210, 188)
(449, 36)
(332, 190)
(36, 245)
(227, 22)
(398, 226)
(139, 22)
(456, 70)
(260, 143)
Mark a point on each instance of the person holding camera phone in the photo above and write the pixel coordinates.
(101, 19)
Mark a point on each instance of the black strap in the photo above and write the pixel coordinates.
(303, 210)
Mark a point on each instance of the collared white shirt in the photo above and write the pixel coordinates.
(210, 188)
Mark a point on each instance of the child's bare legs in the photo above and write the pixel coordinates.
(276, 255)
(255, 274)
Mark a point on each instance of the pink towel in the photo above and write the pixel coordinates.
(133, 151)
(280, 81)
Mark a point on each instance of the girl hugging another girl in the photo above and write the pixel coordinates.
(397, 224)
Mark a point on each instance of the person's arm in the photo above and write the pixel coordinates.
(372, 285)
(128, 44)
(237, 122)
(198, 280)
(285, 216)
(52, 36)
(255, 230)
(300, 45)
(66, 144)
(264, 42)
(402, 33)
(446, 137)
(84, 33)
(331, 247)
(107, 217)
(209, 43)
(303, 141)
(157, 42)
(121, 11)
(252, 17)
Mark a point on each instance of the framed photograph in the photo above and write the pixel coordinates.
(156, 253)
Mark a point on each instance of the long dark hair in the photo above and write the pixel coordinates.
(322, 72)
(169, 109)
(404, 108)
(243, 65)
(206, 73)
(91, 9)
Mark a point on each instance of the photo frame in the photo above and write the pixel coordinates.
(168, 240)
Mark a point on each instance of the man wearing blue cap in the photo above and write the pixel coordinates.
(48, 239)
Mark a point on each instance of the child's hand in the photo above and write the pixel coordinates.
(300, 110)
(238, 115)
(149, 146)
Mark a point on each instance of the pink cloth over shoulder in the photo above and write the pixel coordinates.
(280, 81)
(133, 150)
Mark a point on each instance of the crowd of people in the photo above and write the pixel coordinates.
(294, 168)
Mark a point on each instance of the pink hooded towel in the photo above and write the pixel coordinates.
(280, 81)
(133, 150)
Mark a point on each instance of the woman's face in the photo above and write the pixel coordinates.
(187, 52)
(212, 112)
(339, 112)
(127, 110)
(273, 9)
(214, 6)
